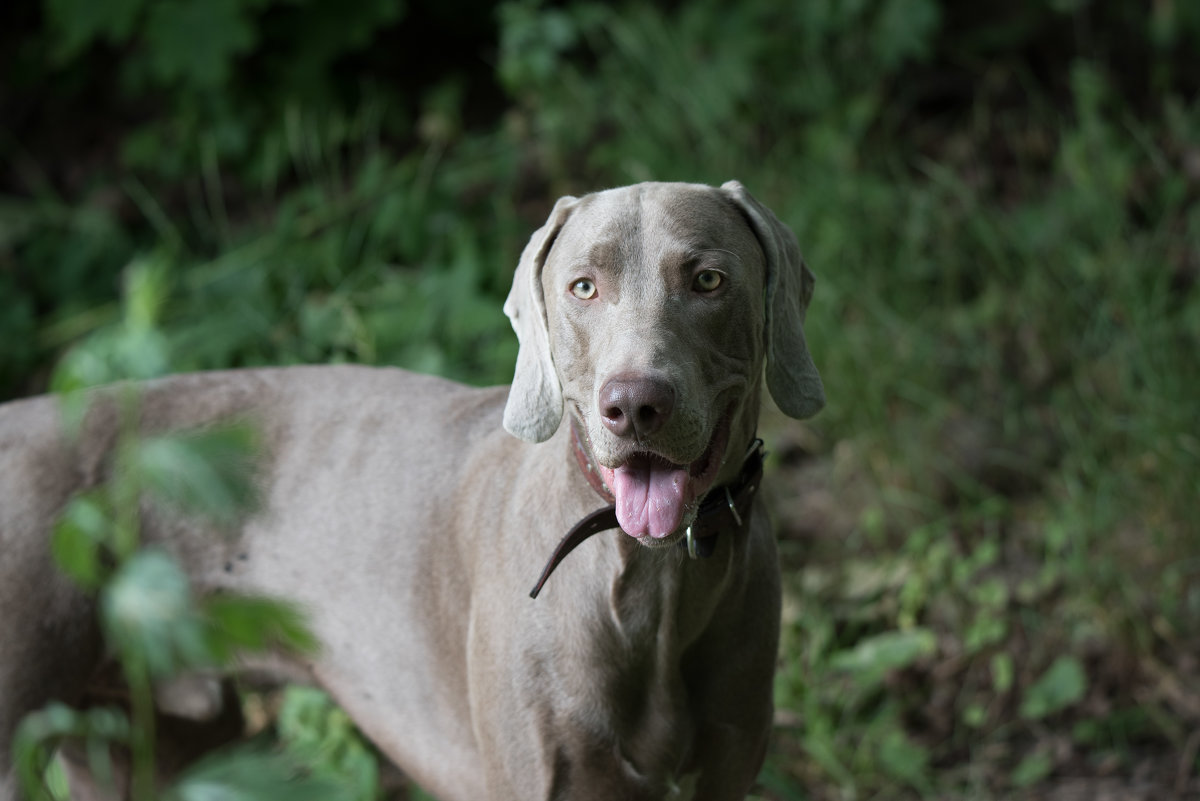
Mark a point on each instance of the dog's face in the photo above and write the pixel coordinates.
(653, 301)
(656, 332)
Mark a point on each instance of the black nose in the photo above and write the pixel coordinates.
(636, 405)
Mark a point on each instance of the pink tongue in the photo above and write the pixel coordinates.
(649, 498)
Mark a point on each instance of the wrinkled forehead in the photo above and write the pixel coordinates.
(655, 223)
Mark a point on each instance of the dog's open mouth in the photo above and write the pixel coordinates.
(654, 495)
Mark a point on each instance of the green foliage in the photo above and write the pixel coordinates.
(151, 622)
(254, 774)
(149, 616)
(200, 471)
(80, 537)
(1064, 683)
(830, 65)
(97, 728)
(1032, 769)
(196, 48)
(249, 624)
(873, 657)
(319, 734)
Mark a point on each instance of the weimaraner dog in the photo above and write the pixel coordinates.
(409, 517)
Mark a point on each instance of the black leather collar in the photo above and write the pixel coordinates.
(724, 509)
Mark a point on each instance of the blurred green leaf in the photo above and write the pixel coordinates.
(80, 534)
(145, 292)
(134, 349)
(208, 472)
(319, 734)
(873, 657)
(1062, 685)
(251, 773)
(252, 623)
(79, 22)
(821, 744)
(83, 367)
(988, 628)
(196, 41)
(905, 29)
(1002, 672)
(40, 732)
(1032, 769)
(149, 616)
(111, 355)
(974, 715)
(904, 759)
(533, 40)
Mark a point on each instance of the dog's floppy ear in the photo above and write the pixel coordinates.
(535, 402)
(792, 378)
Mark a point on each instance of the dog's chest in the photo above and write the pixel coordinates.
(645, 697)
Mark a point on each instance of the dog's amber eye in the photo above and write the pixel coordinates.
(706, 281)
(583, 289)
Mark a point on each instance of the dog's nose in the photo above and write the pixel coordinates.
(636, 405)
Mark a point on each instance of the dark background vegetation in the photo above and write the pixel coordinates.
(990, 540)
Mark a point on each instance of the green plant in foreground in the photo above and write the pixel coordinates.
(317, 732)
(153, 624)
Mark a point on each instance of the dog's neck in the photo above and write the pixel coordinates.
(662, 603)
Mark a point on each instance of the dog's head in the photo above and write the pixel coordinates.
(647, 313)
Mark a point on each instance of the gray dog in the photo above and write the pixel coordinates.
(409, 517)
